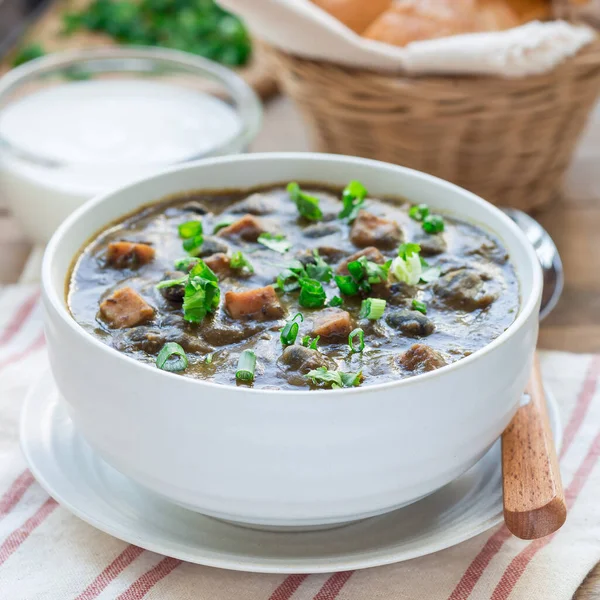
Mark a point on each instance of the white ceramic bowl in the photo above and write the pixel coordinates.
(288, 458)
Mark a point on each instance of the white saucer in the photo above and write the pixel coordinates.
(80, 481)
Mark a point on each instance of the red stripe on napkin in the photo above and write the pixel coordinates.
(517, 566)
(35, 345)
(17, 537)
(477, 567)
(286, 589)
(15, 492)
(19, 318)
(111, 572)
(149, 579)
(332, 587)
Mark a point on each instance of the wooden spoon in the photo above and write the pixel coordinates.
(534, 501)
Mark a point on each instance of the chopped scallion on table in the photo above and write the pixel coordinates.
(246, 366)
(360, 334)
(372, 308)
(289, 333)
(164, 362)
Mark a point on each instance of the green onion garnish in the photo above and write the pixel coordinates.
(202, 293)
(418, 212)
(308, 206)
(190, 229)
(171, 283)
(224, 222)
(407, 250)
(309, 342)
(186, 263)
(372, 308)
(290, 330)
(363, 273)
(420, 306)
(335, 301)
(208, 358)
(433, 224)
(246, 366)
(408, 265)
(334, 379)
(319, 270)
(168, 350)
(312, 294)
(347, 285)
(353, 198)
(239, 262)
(358, 332)
(276, 242)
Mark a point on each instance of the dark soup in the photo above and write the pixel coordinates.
(294, 287)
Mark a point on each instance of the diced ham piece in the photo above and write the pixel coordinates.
(371, 230)
(260, 303)
(125, 308)
(371, 253)
(332, 323)
(248, 228)
(421, 357)
(219, 263)
(123, 255)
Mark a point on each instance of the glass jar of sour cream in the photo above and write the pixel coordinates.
(75, 124)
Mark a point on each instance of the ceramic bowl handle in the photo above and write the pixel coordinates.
(534, 501)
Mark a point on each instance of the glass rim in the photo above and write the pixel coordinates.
(131, 59)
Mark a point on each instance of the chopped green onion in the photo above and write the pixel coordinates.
(239, 262)
(290, 330)
(186, 263)
(335, 301)
(209, 357)
(246, 366)
(190, 229)
(167, 351)
(358, 332)
(171, 283)
(202, 293)
(193, 244)
(320, 270)
(433, 224)
(334, 379)
(309, 342)
(372, 308)
(408, 265)
(312, 294)
(224, 222)
(347, 285)
(418, 212)
(407, 250)
(420, 306)
(353, 198)
(308, 206)
(276, 242)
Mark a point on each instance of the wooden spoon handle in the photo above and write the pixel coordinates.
(534, 501)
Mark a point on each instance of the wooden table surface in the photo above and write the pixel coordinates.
(573, 221)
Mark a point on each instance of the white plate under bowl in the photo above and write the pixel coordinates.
(79, 480)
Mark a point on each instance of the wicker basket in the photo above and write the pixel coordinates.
(508, 140)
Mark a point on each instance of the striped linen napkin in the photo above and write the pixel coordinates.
(47, 553)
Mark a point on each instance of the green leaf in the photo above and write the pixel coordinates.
(407, 250)
(190, 229)
(353, 199)
(239, 262)
(309, 342)
(202, 293)
(335, 301)
(308, 206)
(334, 379)
(420, 306)
(312, 294)
(320, 270)
(418, 212)
(276, 242)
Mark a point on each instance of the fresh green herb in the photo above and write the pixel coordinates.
(277, 242)
(358, 332)
(190, 229)
(407, 266)
(202, 293)
(334, 379)
(319, 270)
(27, 53)
(208, 359)
(171, 283)
(309, 342)
(224, 222)
(335, 301)
(420, 306)
(197, 26)
(408, 250)
(363, 274)
(433, 224)
(418, 212)
(347, 285)
(239, 262)
(353, 198)
(186, 263)
(246, 366)
(312, 294)
(372, 308)
(167, 351)
(289, 333)
(308, 206)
